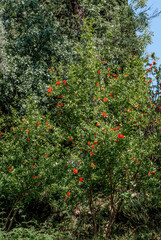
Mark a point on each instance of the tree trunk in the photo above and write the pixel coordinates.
(12, 211)
(114, 209)
(108, 227)
(92, 210)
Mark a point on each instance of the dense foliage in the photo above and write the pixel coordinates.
(35, 33)
(80, 128)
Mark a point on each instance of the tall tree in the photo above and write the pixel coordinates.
(3, 62)
(40, 32)
(33, 38)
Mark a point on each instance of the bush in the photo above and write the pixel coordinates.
(91, 153)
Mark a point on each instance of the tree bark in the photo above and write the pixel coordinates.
(12, 211)
(91, 204)
(114, 209)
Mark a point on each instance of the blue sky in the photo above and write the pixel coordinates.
(155, 26)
